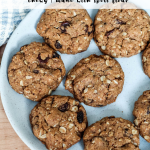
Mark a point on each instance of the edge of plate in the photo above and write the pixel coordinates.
(1, 81)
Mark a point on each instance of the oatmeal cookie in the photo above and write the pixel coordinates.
(111, 133)
(121, 32)
(146, 61)
(96, 80)
(66, 30)
(35, 71)
(142, 115)
(58, 121)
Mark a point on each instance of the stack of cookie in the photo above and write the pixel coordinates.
(37, 70)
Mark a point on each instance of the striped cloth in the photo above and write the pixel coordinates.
(9, 20)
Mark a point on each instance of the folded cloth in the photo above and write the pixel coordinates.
(9, 20)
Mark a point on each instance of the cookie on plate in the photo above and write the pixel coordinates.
(111, 133)
(35, 71)
(121, 32)
(146, 61)
(58, 121)
(142, 115)
(96, 80)
(66, 30)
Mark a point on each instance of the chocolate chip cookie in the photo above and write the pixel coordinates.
(96, 80)
(58, 121)
(66, 30)
(35, 71)
(142, 115)
(111, 133)
(146, 61)
(121, 32)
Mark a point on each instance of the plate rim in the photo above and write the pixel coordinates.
(28, 144)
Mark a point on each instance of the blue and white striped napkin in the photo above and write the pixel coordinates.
(9, 20)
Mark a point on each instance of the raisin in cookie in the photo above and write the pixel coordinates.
(146, 61)
(121, 32)
(142, 115)
(96, 80)
(58, 121)
(66, 30)
(111, 133)
(35, 71)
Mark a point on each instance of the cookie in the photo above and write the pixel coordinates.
(58, 121)
(121, 32)
(96, 80)
(146, 61)
(142, 115)
(35, 71)
(66, 30)
(111, 133)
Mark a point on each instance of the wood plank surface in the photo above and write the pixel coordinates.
(9, 140)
